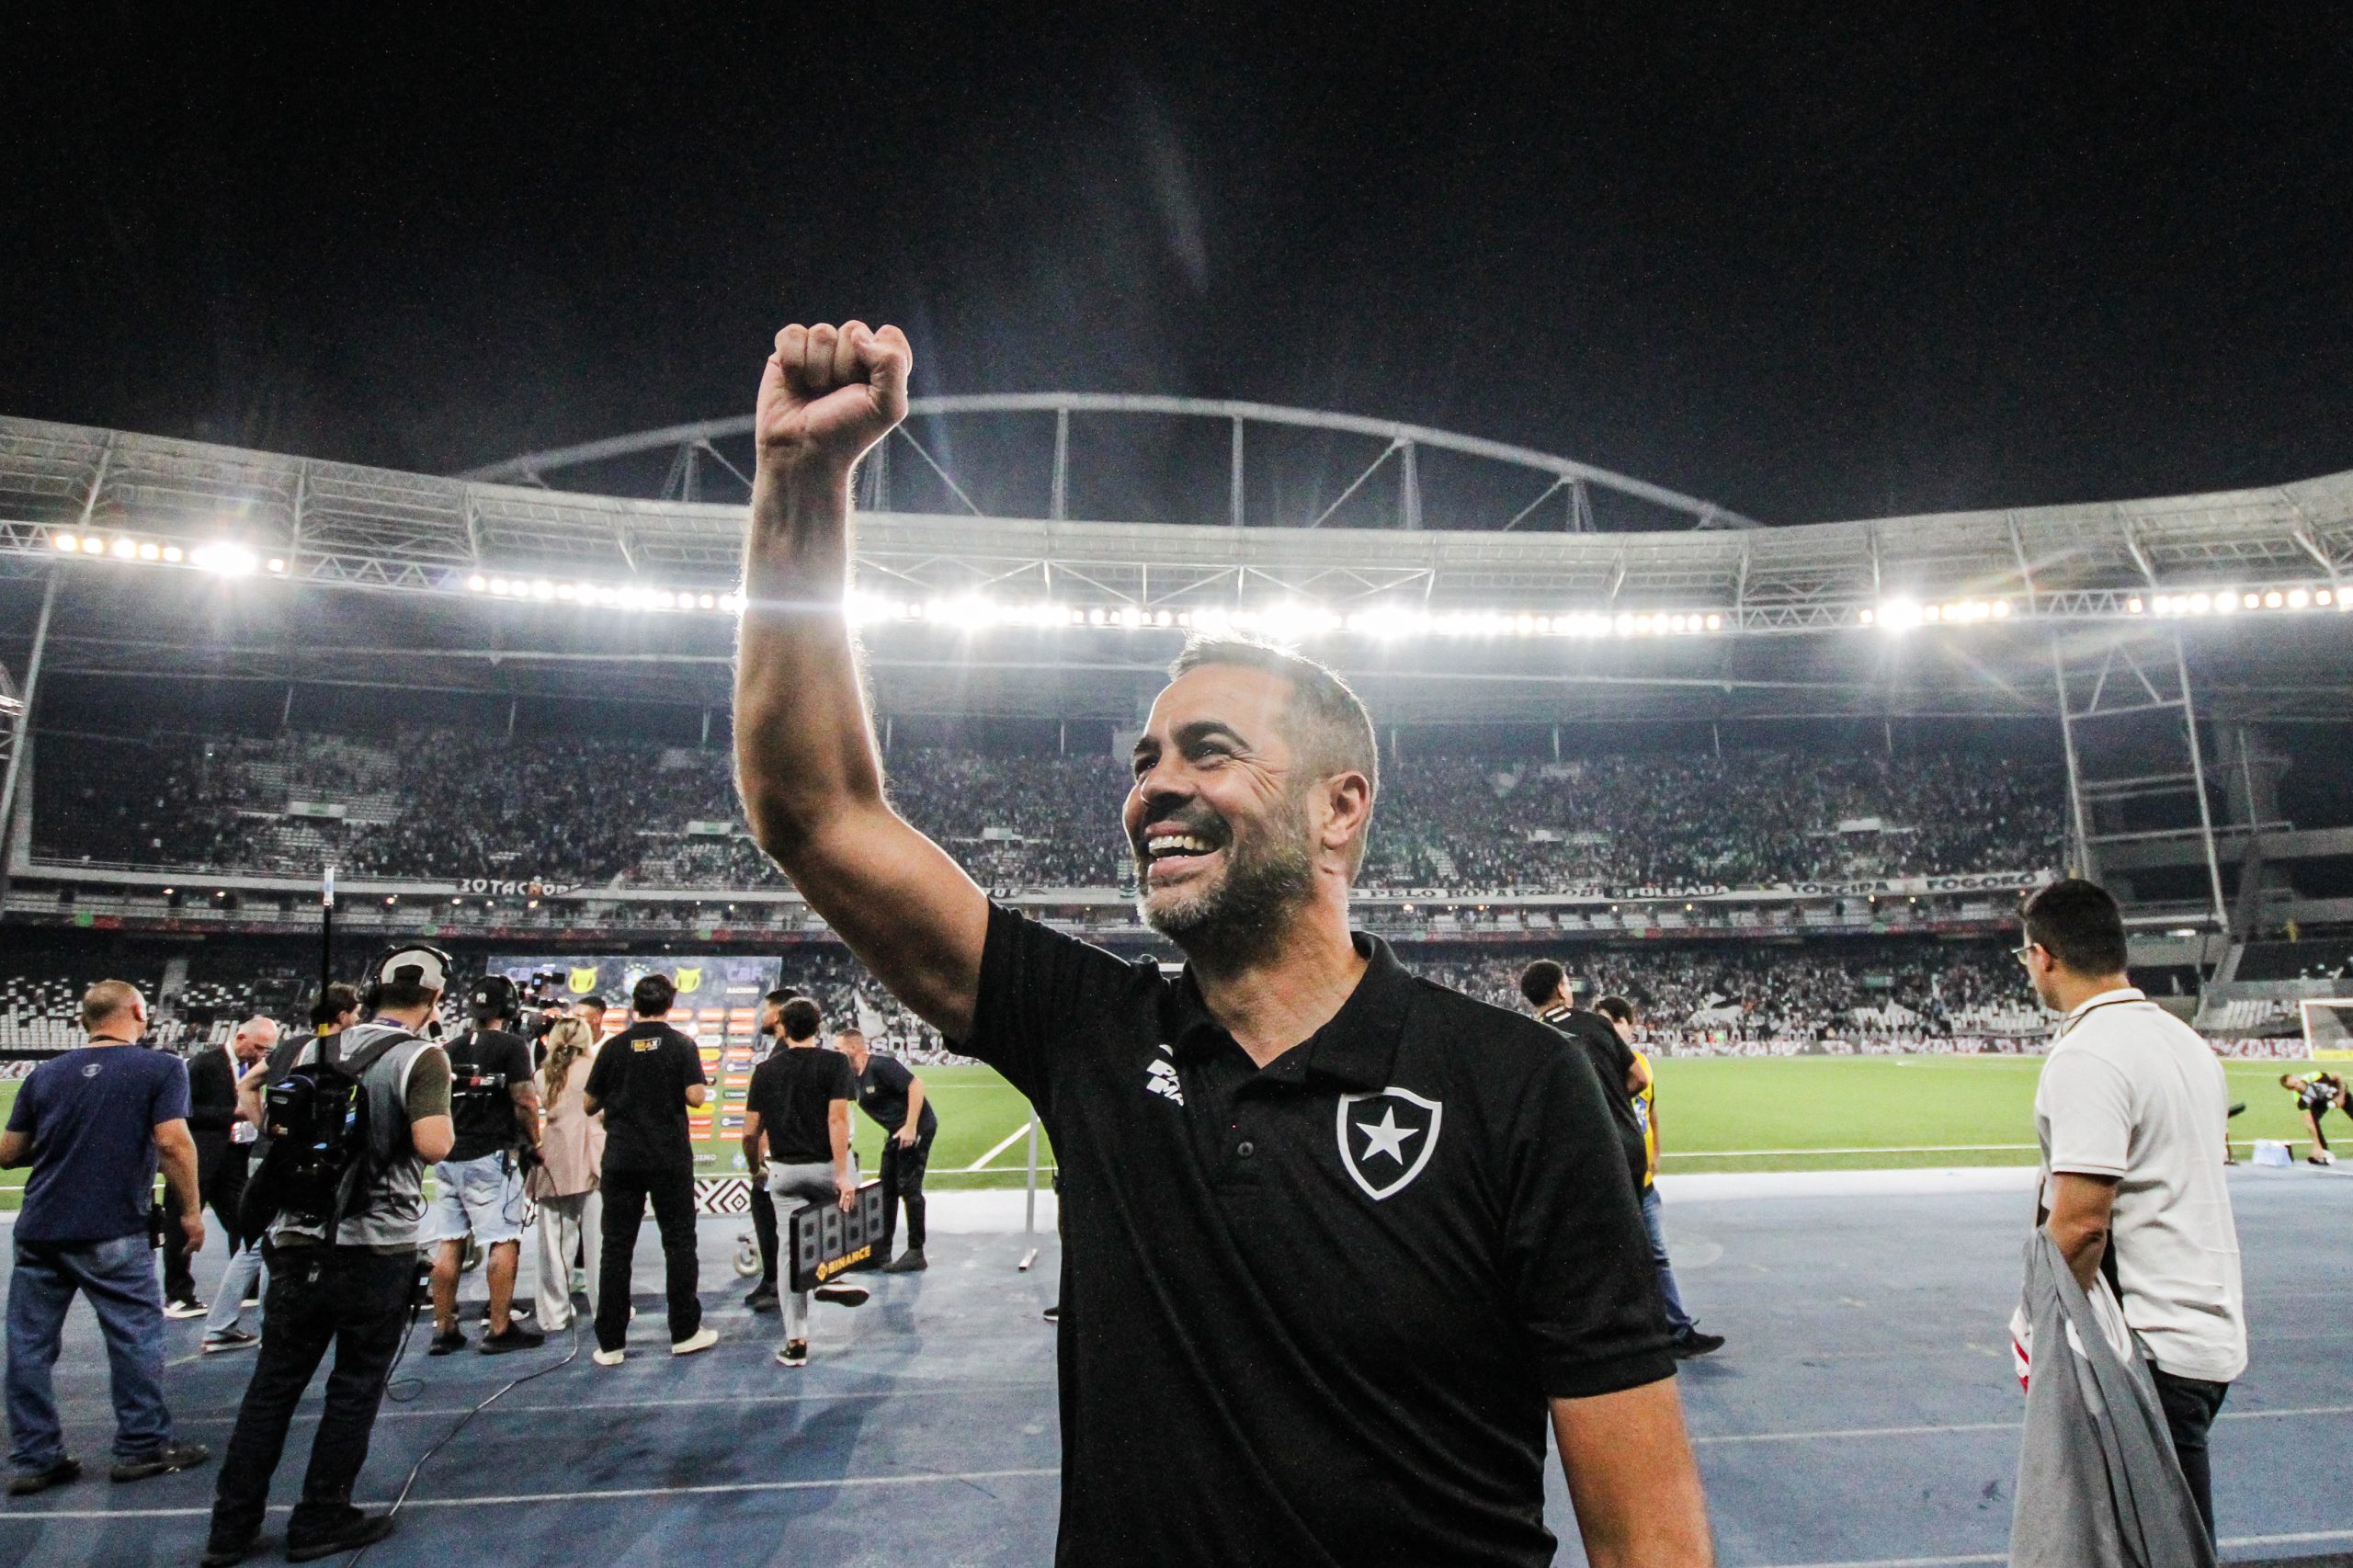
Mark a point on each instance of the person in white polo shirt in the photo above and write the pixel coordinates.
(2131, 1113)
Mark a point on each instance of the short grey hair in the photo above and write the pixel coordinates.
(1327, 720)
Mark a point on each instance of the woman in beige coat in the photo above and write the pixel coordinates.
(565, 1185)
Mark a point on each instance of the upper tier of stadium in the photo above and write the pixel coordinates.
(345, 524)
(999, 579)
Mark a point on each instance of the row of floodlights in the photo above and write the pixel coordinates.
(605, 595)
(2231, 601)
(971, 612)
(226, 557)
(1902, 615)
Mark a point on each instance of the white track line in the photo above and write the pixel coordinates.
(1848, 1433)
(1874, 1148)
(618, 1495)
(1010, 1140)
(2306, 1537)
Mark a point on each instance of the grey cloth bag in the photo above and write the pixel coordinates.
(2099, 1483)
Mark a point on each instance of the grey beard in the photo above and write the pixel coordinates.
(1240, 920)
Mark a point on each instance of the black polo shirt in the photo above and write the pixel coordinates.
(1312, 1313)
(1612, 1059)
(884, 1088)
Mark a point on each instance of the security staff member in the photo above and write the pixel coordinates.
(1545, 986)
(894, 1097)
(1337, 1241)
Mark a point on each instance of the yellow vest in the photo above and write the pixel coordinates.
(1642, 1114)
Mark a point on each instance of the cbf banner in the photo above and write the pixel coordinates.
(702, 982)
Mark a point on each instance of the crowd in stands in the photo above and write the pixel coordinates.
(1726, 993)
(1749, 819)
(594, 811)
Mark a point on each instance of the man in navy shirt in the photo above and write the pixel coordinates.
(1339, 1245)
(94, 1123)
(894, 1097)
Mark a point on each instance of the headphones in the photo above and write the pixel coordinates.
(412, 964)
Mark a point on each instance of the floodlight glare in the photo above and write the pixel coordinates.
(229, 560)
(65, 541)
(93, 545)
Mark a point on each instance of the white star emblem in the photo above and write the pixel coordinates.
(1387, 1138)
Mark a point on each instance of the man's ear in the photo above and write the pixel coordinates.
(1348, 808)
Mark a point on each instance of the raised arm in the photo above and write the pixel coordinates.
(805, 759)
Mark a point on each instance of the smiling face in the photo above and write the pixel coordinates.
(1228, 823)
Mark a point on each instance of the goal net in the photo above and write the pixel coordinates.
(2328, 1029)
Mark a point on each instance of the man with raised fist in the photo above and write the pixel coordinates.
(1338, 1241)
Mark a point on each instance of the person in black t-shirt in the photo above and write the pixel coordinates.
(894, 1097)
(1545, 985)
(1339, 1242)
(762, 1298)
(796, 1144)
(645, 1078)
(494, 1102)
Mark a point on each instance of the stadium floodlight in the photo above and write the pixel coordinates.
(66, 541)
(1899, 614)
(93, 545)
(226, 558)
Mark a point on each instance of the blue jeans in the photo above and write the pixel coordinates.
(1677, 1320)
(244, 1276)
(119, 1276)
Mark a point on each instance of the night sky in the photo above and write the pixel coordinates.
(1919, 258)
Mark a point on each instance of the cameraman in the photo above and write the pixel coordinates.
(347, 1285)
(494, 1101)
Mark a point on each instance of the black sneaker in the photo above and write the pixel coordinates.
(843, 1295)
(24, 1483)
(219, 1552)
(228, 1340)
(908, 1262)
(1052, 1314)
(1696, 1343)
(516, 1337)
(361, 1529)
(762, 1298)
(163, 1461)
(445, 1340)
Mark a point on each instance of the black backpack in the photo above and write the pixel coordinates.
(315, 1118)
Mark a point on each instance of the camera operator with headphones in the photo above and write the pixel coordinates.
(494, 1101)
(353, 1119)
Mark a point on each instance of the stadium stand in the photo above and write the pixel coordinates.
(598, 812)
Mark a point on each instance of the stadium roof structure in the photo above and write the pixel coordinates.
(337, 572)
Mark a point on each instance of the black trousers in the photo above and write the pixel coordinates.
(903, 1172)
(672, 1194)
(220, 1188)
(2191, 1404)
(355, 1299)
(764, 1227)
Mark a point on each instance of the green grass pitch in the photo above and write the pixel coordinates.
(1715, 1114)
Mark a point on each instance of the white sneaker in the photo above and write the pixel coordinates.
(610, 1358)
(187, 1307)
(703, 1339)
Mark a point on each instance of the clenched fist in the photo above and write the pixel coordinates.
(829, 393)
